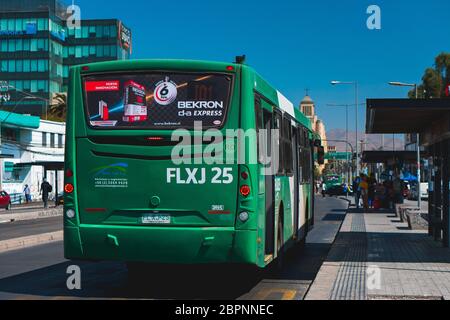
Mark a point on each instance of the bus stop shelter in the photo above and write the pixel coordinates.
(431, 119)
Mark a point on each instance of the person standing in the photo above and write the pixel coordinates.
(398, 187)
(372, 185)
(357, 190)
(46, 188)
(364, 187)
(27, 193)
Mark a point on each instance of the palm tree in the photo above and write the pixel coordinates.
(57, 110)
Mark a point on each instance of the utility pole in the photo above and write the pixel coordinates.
(414, 85)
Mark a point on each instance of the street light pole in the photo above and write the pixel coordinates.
(349, 178)
(355, 83)
(356, 124)
(414, 85)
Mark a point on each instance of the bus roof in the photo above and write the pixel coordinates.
(184, 64)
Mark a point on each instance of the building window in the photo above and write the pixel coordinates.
(10, 134)
(19, 45)
(33, 65)
(26, 66)
(78, 52)
(44, 139)
(85, 32)
(105, 31)
(19, 66)
(60, 141)
(52, 140)
(66, 71)
(26, 84)
(34, 86)
(11, 45)
(33, 44)
(26, 44)
(12, 66)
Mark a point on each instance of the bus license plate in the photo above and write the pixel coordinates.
(156, 219)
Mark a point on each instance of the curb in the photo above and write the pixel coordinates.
(29, 241)
(328, 270)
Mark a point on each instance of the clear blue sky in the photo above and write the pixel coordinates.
(294, 44)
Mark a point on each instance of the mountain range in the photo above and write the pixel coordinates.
(370, 141)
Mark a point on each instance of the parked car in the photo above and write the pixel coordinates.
(5, 200)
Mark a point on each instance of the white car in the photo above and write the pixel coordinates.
(423, 191)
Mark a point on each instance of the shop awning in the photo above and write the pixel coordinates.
(404, 115)
(19, 120)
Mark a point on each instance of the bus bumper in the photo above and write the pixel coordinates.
(160, 244)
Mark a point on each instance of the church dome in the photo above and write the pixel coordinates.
(307, 99)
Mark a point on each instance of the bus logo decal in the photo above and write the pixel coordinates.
(116, 169)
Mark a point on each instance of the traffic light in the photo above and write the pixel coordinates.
(320, 155)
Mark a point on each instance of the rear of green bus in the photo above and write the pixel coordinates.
(125, 197)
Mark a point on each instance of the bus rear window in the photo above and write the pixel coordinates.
(156, 100)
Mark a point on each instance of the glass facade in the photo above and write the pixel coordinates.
(37, 50)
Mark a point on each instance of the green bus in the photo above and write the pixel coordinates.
(127, 200)
(332, 180)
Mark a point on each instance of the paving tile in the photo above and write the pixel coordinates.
(411, 264)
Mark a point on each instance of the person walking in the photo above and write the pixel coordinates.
(27, 193)
(324, 189)
(357, 190)
(46, 188)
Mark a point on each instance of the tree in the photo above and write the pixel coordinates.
(435, 80)
(432, 84)
(442, 66)
(58, 108)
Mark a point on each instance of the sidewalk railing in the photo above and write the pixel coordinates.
(16, 198)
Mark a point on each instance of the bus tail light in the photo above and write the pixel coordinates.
(244, 190)
(69, 173)
(68, 188)
(244, 175)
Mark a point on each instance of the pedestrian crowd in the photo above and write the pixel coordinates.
(371, 194)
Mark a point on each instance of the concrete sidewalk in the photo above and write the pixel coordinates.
(375, 256)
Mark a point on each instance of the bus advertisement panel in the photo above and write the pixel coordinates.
(157, 100)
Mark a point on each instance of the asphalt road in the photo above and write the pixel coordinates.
(24, 228)
(39, 272)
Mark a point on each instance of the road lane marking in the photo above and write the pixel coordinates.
(287, 294)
